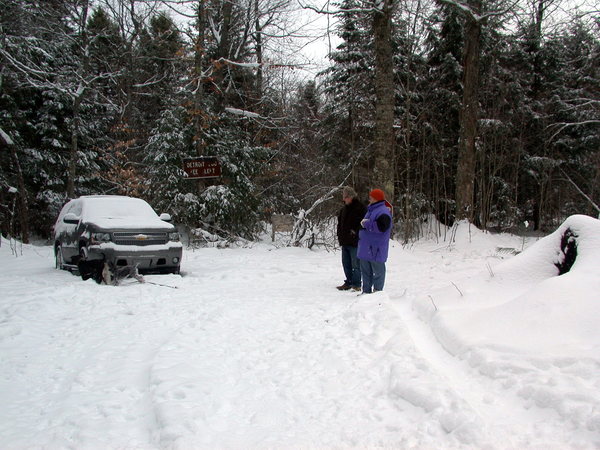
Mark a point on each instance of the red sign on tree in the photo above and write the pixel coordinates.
(203, 167)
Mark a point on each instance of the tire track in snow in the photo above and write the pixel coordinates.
(500, 412)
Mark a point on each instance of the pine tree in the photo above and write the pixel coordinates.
(441, 91)
(54, 100)
(349, 87)
(233, 203)
(166, 188)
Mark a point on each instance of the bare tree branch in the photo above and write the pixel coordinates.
(587, 197)
(479, 17)
(562, 126)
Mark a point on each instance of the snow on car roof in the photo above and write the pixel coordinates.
(114, 207)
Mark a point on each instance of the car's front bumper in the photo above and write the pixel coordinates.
(147, 258)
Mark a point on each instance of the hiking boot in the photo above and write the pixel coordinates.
(356, 288)
(343, 287)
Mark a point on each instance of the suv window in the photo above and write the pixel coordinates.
(75, 209)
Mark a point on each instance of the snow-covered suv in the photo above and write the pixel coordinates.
(117, 229)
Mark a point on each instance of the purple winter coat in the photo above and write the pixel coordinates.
(374, 238)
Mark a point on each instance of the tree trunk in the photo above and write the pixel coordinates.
(198, 112)
(538, 144)
(23, 203)
(383, 169)
(22, 194)
(72, 172)
(129, 67)
(223, 50)
(259, 54)
(198, 75)
(536, 46)
(8, 142)
(77, 99)
(465, 171)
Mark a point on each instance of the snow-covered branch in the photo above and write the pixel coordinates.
(476, 16)
(241, 112)
(251, 65)
(229, 62)
(301, 224)
(24, 67)
(6, 138)
(336, 11)
(562, 126)
(464, 8)
(152, 81)
(587, 197)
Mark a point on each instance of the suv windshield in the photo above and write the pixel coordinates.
(117, 208)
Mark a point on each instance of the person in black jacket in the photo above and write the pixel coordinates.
(347, 232)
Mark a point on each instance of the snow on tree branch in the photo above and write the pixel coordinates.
(464, 8)
(251, 65)
(475, 16)
(6, 138)
(563, 126)
(587, 197)
(241, 112)
(337, 11)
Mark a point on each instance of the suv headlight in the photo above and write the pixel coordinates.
(98, 238)
(174, 236)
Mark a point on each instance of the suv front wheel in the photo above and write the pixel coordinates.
(83, 253)
(58, 258)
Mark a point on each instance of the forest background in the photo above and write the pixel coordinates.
(480, 110)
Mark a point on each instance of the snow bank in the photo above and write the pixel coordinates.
(521, 317)
(525, 297)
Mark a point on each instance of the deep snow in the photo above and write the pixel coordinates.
(467, 347)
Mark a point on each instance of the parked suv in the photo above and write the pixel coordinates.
(121, 230)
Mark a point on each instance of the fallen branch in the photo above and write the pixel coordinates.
(489, 268)
(459, 291)
(434, 305)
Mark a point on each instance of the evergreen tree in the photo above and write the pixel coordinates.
(166, 188)
(441, 95)
(161, 48)
(233, 203)
(45, 72)
(572, 136)
(349, 87)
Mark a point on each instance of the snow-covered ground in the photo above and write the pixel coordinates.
(467, 347)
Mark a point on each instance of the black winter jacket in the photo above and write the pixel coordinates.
(349, 222)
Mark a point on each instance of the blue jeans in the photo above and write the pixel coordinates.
(373, 275)
(351, 265)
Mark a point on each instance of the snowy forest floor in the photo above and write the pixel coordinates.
(255, 348)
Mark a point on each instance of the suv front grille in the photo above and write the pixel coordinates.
(123, 238)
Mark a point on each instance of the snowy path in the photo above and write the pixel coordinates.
(255, 349)
(494, 411)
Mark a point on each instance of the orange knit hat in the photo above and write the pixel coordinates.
(377, 194)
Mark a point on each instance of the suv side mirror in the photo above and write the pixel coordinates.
(71, 218)
(165, 217)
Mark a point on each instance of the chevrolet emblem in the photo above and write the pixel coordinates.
(141, 237)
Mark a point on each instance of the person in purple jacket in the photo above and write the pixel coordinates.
(374, 242)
